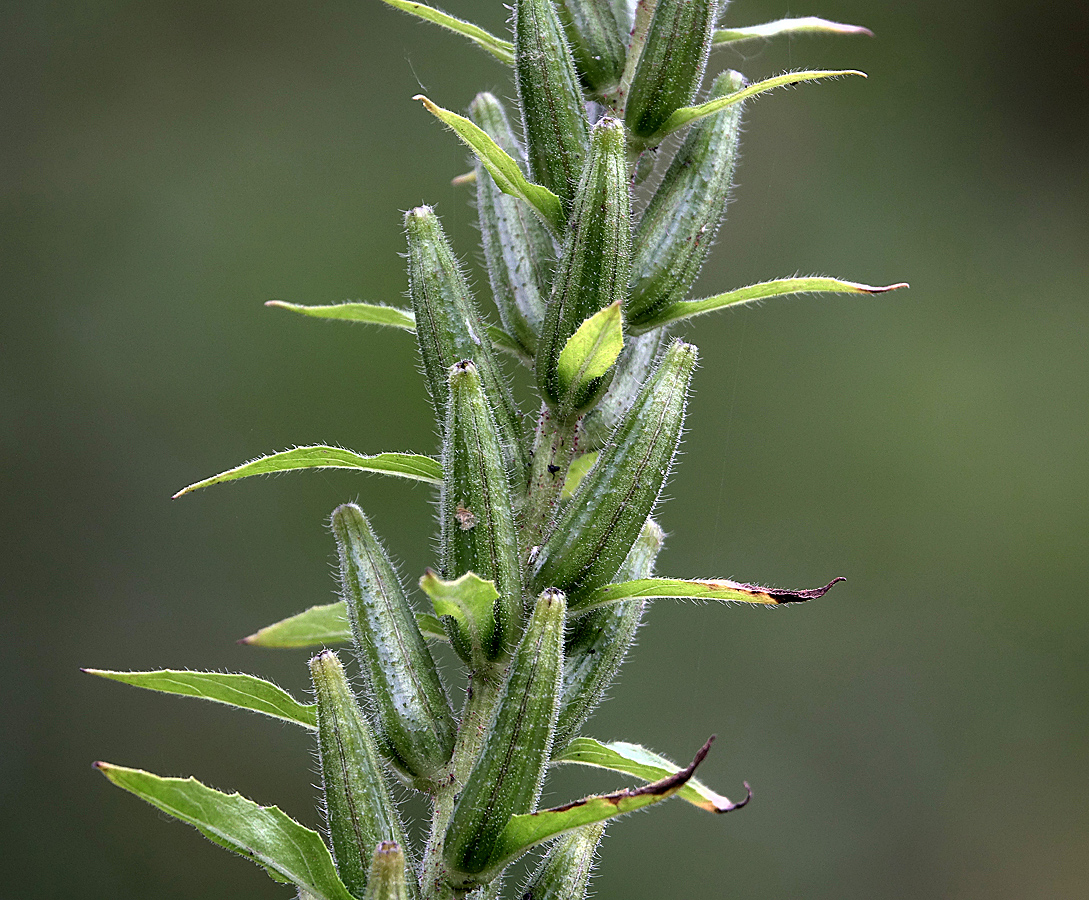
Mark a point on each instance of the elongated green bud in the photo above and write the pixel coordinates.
(506, 779)
(554, 117)
(675, 233)
(517, 246)
(358, 808)
(477, 532)
(635, 364)
(564, 873)
(596, 643)
(594, 270)
(671, 65)
(597, 43)
(597, 528)
(449, 329)
(414, 726)
(387, 876)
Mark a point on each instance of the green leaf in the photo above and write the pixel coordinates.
(577, 472)
(591, 351)
(525, 831)
(503, 169)
(371, 313)
(320, 626)
(802, 25)
(289, 851)
(406, 465)
(632, 759)
(469, 601)
(497, 47)
(243, 691)
(688, 114)
(697, 589)
(780, 287)
(503, 341)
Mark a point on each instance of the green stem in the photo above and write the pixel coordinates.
(483, 692)
(553, 450)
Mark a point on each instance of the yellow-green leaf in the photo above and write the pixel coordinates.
(697, 589)
(371, 313)
(497, 47)
(242, 691)
(406, 465)
(503, 169)
(800, 25)
(591, 351)
(321, 626)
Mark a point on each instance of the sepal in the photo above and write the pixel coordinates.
(564, 873)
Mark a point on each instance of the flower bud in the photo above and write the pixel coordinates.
(477, 532)
(506, 778)
(358, 808)
(596, 530)
(517, 246)
(675, 232)
(554, 117)
(594, 269)
(387, 876)
(596, 41)
(671, 65)
(414, 725)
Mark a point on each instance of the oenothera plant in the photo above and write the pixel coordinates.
(547, 541)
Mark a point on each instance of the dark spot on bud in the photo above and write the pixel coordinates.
(553, 469)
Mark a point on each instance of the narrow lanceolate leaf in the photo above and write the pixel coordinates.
(359, 810)
(781, 287)
(686, 115)
(595, 644)
(387, 877)
(553, 113)
(517, 246)
(591, 351)
(596, 530)
(597, 43)
(671, 65)
(477, 532)
(508, 177)
(595, 268)
(466, 607)
(526, 831)
(675, 232)
(371, 313)
(506, 779)
(564, 873)
(288, 851)
(801, 25)
(405, 465)
(243, 691)
(697, 589)
(497, 47)
(322, 625)
(636, 362)
(632, 759)
(449, 329)
(413, 723)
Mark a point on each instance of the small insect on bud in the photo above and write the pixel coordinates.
(358, 808)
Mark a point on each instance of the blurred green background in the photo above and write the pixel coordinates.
(921, 732)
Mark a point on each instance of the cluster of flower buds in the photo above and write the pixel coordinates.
(547, 544)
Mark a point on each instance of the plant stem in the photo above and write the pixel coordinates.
(482, 694)
(553, 449)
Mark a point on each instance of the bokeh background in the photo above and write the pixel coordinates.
(921, 732)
